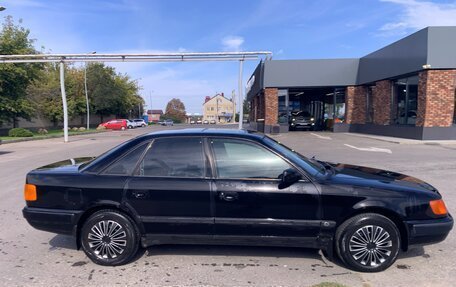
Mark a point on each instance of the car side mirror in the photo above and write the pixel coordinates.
(289, 177)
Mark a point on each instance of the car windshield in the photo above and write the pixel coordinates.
(312, 166)
(301, 114)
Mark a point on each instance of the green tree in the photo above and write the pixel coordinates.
(175, 109)
(246, 106)
(15, 78)
(45, 93)
(111, 93)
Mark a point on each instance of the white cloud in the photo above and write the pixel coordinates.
(232, 43)
(420, 14)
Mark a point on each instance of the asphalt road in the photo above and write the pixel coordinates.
(32, 257)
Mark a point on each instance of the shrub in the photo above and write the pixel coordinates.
(20, 132)
(42, 131)
(75, 129)
(100, 127)
(81, 129)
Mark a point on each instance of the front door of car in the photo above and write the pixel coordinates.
(170, 189)
(248, 202)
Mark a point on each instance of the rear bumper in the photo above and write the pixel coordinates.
(53, 220)
(423, 232)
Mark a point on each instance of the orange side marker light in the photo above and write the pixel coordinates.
(30, 192)
(438, 207)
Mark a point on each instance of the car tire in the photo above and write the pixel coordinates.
(368, 242)
(109, 238)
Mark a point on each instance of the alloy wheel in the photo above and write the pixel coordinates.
(371, 245)
(107, 239)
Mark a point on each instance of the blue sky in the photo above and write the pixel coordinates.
(290, 29)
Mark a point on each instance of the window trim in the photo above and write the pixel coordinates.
(305, 177)
(205, 175)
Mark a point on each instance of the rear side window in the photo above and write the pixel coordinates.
(127, 163)
(174, 157)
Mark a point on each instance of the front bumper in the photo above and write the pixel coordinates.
(53, 220)
(423, 232)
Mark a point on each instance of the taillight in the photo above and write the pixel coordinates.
(438, 207)
(30, 192)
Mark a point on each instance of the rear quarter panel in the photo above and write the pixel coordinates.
(75, 191)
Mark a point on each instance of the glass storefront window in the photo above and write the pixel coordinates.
(283, 107)
(454, 115)
(405, 100)
(339, 111)
(369, 105)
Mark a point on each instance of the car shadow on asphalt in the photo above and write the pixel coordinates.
(228, 250)
(413, 252)
(63, 241)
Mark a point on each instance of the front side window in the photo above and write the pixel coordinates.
(242, 159)
(174, 157)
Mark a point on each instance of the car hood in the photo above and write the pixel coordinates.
(376, 178)
(65, 166)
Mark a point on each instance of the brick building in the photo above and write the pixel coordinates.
(406, 89)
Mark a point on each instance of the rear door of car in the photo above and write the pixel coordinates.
(170, 189)
(248, 202)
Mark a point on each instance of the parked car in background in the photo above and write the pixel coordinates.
(206, 122)
(192, 122)
(139, 123)
(199, 122)
(215, 186)
(118, 124)
(167, 123)
(301, 119)
(131, 124)
(212, 122)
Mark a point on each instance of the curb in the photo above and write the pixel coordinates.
(48, 137)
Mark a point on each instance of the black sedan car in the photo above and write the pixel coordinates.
(209, 186)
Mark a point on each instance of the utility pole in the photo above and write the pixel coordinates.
(241, 112)
(87, 96)
(64, 101)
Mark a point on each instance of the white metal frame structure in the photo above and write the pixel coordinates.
(156, 57)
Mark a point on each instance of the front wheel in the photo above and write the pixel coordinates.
(368, 242)
(109, 238)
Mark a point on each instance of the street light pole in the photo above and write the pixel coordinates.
(86, 94)
(241, 111)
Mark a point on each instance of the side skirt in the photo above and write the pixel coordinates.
(158, 239)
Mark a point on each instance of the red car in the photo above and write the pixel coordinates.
(119, 124)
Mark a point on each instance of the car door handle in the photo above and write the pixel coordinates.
(228, 196)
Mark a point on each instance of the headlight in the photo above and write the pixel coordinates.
(293, 120)
(312, 119)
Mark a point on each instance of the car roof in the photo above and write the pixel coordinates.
(207, 132)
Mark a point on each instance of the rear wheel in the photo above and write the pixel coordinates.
(368, 242)
(109, 238)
